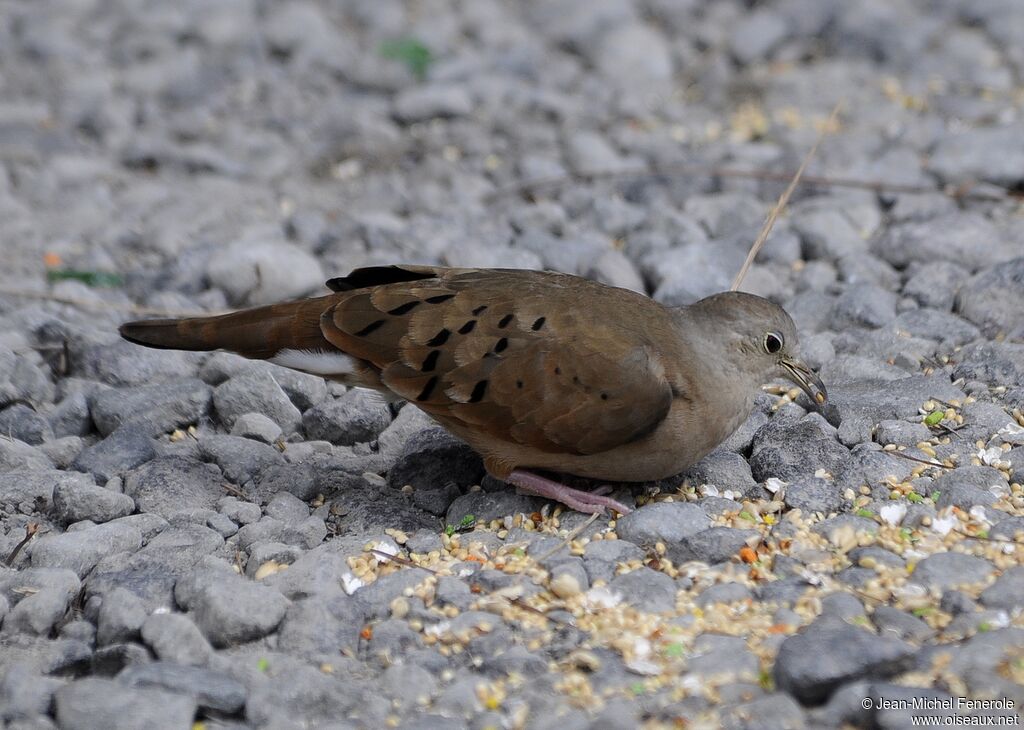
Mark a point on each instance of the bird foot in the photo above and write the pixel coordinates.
(577, 499)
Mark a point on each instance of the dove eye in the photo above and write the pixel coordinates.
(773, 343)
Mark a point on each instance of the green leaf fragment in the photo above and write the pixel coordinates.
(747, 516)
(675, 649)
(262, 664)
(915, 497)
(865, 513)
(934, 418)
(409, 51)
(89, 278)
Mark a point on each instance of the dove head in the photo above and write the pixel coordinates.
(755, 339)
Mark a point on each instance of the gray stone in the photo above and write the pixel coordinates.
(723, 593)
(724, 469)
(38, 598)
(173, 637)
(170, 484)
(256, 392)
(266, 552)
(863, 305)
(243, 513)
(256, 426)
(152, 572)
(75, 500)
(240, 459)
(92, 704)
(358, 416)
(71, 416)
(633, 55)
(994, 299)
(789, 450)
(939, 326)
(304, 390)
(211, 690)
(668, 522)
(1008, 528)
(813, 495)
(811, 664)
(1007, 592)
(24, 693)
(63, 451)
(434, 460)
(29, 486)
(757, 34)
(23, 423)
(646, 590)
(121, 363)
(121, 451)
(993, 363)
(486, 506)
(776, 711)
(893, 622)
(420, 103)
(80, 550)
(155, 409)
(901, 433)
(120, 618)
(257, 271)
(950, 238)
(948, 570)
(934, 284)
(826, 232)
(235, 611)
(713, 545)
(992, 154)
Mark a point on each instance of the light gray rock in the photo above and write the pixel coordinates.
(948, 570)
(258, 271)
(173, 637)
(210, 689)
(93, 703)
(80, 550)
(170, 484)
(235, 611)
(829, 653)
(23, 423)
(255, 392)
(667, 522)
(256, 426)
(120, 452)
(154, 409)
(358, 416)
(76, 500)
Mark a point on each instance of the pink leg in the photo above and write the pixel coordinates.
(577, 499)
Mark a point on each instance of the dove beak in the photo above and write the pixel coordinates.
(806, 378)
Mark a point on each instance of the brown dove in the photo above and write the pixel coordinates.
(537, 371)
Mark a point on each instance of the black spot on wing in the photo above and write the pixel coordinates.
(427, 389)
(370, 328)
(478, 392)
(440, 338)
(404, 308)
(375, 276)
(431, 361)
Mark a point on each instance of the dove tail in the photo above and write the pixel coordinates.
(259, 333)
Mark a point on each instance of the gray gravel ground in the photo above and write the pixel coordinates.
(203, 521)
